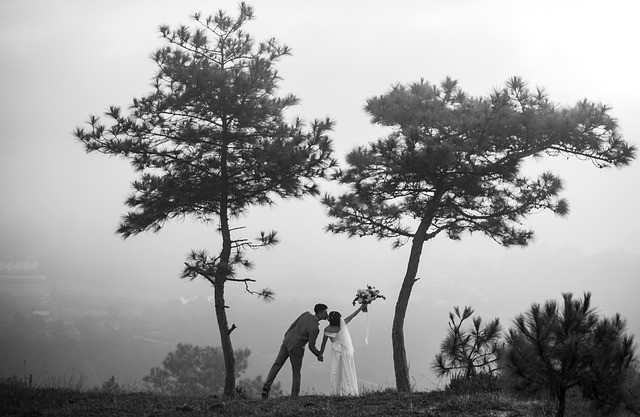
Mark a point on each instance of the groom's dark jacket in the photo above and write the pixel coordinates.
(304, 329)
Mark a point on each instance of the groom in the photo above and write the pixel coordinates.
(304, 329)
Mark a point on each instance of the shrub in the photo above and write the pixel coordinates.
(483, 382)
(557, 348)
(469, 351)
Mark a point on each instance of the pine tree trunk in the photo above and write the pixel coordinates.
(400, 363)
(224, 271)
(225, 341)
(562, 396)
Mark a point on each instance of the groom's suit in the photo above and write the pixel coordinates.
(304, 329)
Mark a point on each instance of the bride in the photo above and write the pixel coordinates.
(343, 367)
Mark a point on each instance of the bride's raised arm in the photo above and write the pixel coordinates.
(355, 313)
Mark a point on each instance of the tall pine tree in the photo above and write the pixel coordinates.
(452, 164)
(210, 141)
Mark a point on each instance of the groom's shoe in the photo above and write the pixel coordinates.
(265, 392)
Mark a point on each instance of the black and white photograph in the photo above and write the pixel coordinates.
(304, 208)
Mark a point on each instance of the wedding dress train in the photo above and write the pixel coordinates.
(343, 367)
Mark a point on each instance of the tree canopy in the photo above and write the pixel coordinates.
(200, 370)
(210, 140)
(194, 370)
(456, 160)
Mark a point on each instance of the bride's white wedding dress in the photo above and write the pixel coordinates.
(343, 366)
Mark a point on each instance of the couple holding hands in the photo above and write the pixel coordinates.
(305, 329)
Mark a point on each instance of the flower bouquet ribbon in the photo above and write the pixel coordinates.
(366, 297)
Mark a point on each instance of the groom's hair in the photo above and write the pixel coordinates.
(319, 307)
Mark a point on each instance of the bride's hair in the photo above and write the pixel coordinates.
(334, 318)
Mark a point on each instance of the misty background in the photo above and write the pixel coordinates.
(59, 207)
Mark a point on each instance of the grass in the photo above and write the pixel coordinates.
(23, 401)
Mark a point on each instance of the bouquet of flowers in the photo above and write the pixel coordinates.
(366, 296)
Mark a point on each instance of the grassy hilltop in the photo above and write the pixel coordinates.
(20, 400)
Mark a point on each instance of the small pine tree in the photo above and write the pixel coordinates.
(560, 347)
(608, 363)
(468, 352)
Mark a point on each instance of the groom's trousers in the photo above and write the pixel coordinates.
(295, 356)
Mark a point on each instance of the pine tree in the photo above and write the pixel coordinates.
(194, 370)
(210, 141)
(471, 351)
(558, 347)
(452, 164)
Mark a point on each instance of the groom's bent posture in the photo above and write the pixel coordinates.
(304, 329)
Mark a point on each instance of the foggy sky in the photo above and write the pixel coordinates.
(64, 60)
